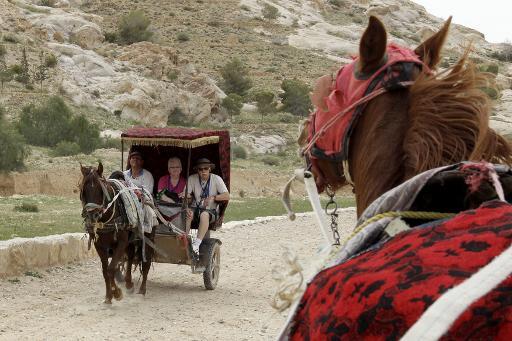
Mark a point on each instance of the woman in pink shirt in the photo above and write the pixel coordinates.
(173, 182)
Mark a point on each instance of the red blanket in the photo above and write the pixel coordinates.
(380, 294)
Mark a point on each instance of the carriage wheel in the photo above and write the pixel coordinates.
(212, 272)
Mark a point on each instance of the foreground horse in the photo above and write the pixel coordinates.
(417, 120)
(111, 232)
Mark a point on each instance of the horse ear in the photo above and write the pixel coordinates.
(100, 169)
(83, 169)
(430, 50)
(372, 46)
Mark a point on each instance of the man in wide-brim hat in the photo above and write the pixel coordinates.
(206, 190)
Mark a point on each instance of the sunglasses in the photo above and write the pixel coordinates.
(203, 168)
(174, 167)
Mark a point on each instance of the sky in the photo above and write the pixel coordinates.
(491, 17)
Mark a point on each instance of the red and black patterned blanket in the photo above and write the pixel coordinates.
(381, 293)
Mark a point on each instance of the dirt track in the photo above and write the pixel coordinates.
(66, 303)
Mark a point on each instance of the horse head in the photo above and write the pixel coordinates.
(398, 116)
(92, 192)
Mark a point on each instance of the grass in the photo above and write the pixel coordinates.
(59, 215)
(56, 215)
(250, 208)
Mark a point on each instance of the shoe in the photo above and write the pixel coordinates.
(195, 248)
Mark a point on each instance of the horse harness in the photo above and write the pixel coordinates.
(93, 212)
(329, 132)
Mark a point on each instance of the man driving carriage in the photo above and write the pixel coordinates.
(208, 190)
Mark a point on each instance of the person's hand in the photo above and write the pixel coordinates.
(189, 213)
(207, 200)
(181, 195)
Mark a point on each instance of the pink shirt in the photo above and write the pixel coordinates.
(165, 182)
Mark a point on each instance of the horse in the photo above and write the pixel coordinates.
(108, 227)
(410, 120)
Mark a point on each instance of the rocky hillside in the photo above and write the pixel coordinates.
(124, 84)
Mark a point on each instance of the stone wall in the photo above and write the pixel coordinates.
(23, 254)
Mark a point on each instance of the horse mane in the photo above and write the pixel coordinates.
(449, 120)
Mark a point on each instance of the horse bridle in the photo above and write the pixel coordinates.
(401, 81)
(91, 211)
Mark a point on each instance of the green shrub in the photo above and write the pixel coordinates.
(182, 36)
(295, 97)
(47, 3)
(235, 77)
(233, 104)
(270, 160)
(3, 51)
(13, 151)
(134, 27)
(11, 38)
(50, 60)
(238, 152)
(270, 12)
(177, 117)
(46, 125)
(16, 68)
(66, 148)
(172, 75)
(245, 8)
(265, 102)
(492, 68)
(111, 37)
(286, 117)
(111, 142)
(493, 93)
(26, 207)
(85, 134)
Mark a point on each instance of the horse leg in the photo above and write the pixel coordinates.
(147, 264)
(103, 253)
(122, 242)
(129, 264)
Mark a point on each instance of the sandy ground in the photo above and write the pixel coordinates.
(66, 303)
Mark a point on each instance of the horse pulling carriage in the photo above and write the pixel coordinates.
(116, 229)
(431, 255)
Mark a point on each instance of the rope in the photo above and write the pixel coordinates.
(402, 214)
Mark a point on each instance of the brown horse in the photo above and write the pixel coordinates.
(441, 119)
(109, 228)
(402, 286)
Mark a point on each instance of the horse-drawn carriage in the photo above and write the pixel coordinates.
(115, 210)
(158, 145)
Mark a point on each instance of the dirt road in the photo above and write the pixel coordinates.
(66, 302)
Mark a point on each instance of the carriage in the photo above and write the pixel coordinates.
(157, 145)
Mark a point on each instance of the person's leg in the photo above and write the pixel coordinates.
(188, 221)
(204, 222)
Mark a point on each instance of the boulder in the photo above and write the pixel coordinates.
(87, 36)
(261, 144)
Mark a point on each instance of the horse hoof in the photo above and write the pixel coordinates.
(107, 301)
(142, 292)
(129, 286)
(118, 294)
(130, 290)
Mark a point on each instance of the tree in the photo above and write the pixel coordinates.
(14, 150)
(24, 73)
(85, 134)
(6, 74)
(295, 97)
(134, 27)
(235, 77)
(265, 102)
(233, 104)
(46, 125)
(41, 71)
